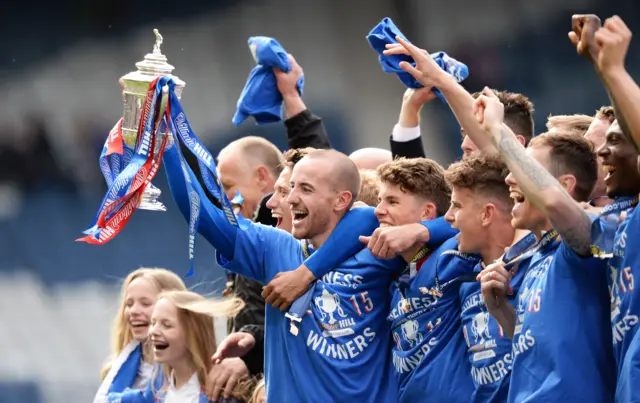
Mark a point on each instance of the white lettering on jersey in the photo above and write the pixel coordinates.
(411, 305)
(492, 373)
(346, 351)
(472, 302)
(408, 364)
(621, 327)
(349, 280)
(523, 342)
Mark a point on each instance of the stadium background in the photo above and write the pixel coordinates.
(59, 66)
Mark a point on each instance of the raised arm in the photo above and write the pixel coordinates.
(606, 47)
(213, 224)
(341, 244)
(343, 241)
(538, 185)
(405, 139)
(303, 128)
(387, 242)
(347, 239)
(406, 142)
(428, 73)
(624, 92)
(625, 98)
(306, 130)
(461, 102)
(231, 242)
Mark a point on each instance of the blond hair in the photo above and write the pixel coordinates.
(256, 391)
(163, 280)
(369, 187)
(195, 315)
(570, 123)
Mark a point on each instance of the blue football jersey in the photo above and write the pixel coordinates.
(624, 268)
(429, 349)
(560, 343)
(343, 349)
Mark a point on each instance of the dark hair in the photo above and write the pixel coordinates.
(420, 176)
(518, 113)
(571, 154)
(606, 113)
(483, 175)
(293, 156)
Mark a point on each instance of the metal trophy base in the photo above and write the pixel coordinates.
(149, 200)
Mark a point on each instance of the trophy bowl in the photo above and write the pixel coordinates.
(136, 86)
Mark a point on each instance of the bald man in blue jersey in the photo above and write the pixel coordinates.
(342, 350)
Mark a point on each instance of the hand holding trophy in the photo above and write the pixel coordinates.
(133, 140)
(132, 154)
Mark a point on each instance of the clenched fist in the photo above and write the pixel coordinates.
(488, 109)
(582, 35)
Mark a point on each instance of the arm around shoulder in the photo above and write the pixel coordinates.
(436, 232)
(344, 241)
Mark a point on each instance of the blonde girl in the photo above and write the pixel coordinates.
(131, 363)
(183, 341)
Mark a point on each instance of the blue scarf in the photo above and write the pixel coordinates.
(128, 371)
(147, 395)
(122, 374)
(260, 97)
(385, 33)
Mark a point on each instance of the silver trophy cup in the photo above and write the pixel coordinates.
(136, 85)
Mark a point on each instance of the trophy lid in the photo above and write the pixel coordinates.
(153, 65)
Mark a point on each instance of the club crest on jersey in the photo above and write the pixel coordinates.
(523, 294)
(481, 343)
(522, 300)
(480, 327)
(409, 334)
(334, 320)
